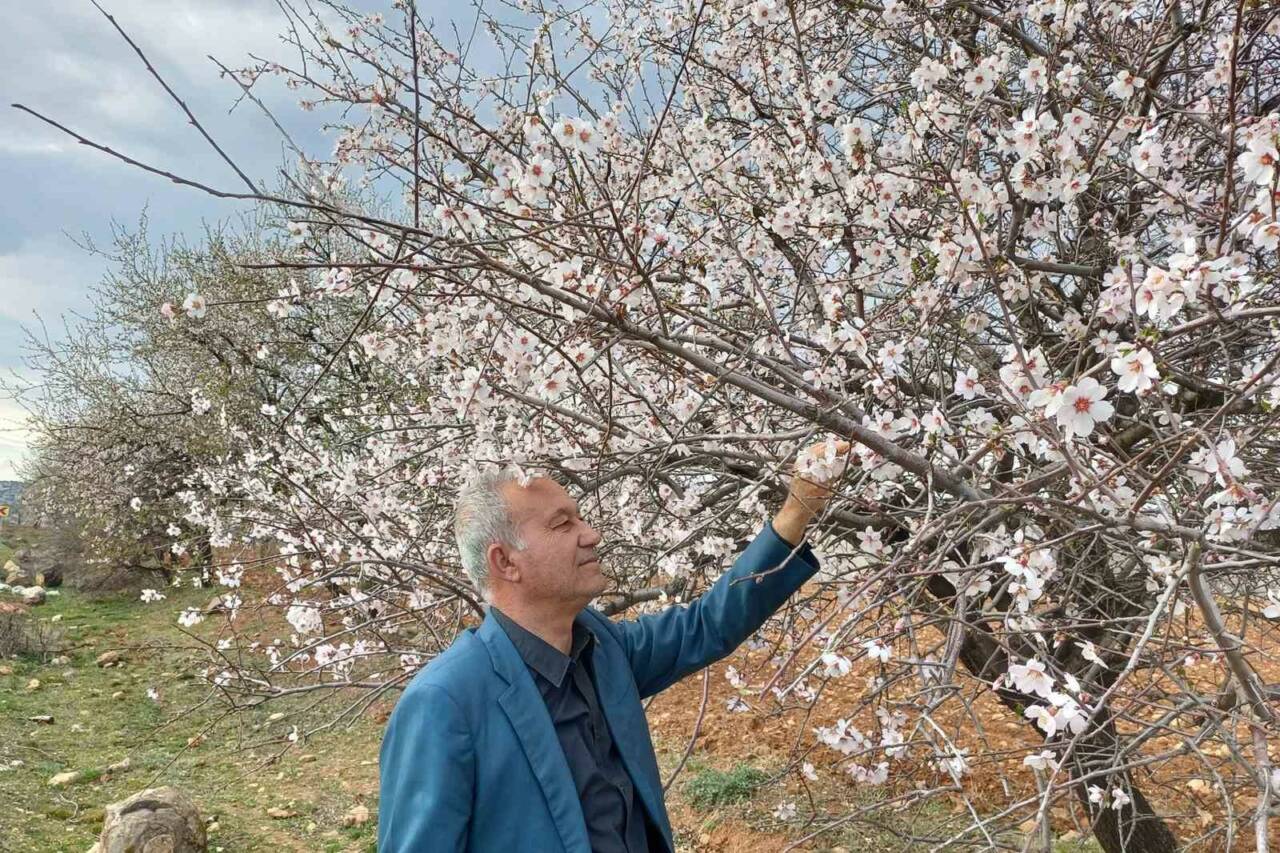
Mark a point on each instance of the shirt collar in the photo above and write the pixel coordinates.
(539, 655)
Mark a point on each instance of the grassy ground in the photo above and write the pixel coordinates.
(5, 553)
(102, 716)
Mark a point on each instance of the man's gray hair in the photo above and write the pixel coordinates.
(482, 517)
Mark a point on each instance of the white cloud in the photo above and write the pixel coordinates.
(174, 34)
(14, 437)
(75, 68)
(81, 73)
(46, 275)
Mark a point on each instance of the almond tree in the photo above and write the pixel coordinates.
(1023, 256)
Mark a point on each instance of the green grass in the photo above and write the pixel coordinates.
(5, 553)
(224, 775)
(710, 788)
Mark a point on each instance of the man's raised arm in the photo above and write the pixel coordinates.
(665, 647)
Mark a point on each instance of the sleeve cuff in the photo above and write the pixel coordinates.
(803, 552)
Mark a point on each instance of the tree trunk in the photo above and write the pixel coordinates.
(1135, 828)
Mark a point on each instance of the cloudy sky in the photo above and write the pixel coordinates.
(62, 58)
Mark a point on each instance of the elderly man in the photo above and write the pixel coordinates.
(527, 733)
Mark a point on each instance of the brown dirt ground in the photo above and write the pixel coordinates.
(1182, 788)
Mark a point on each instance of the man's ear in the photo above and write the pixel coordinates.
(500, 565)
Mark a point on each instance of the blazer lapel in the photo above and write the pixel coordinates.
(625, 716)
(523, 705)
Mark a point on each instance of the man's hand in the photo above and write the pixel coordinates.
(814, 473)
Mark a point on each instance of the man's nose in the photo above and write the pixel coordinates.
(592, 537)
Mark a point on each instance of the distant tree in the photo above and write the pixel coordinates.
(129, 406)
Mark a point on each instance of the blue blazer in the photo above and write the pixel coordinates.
(470, 759)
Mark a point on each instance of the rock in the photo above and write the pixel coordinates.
(108, 658)
(40, 564)
(13, 607)
(157, 820)
(44, 719)
(39, 580)
(33, 596)
(6, 669)
(280, 814)
(66, 778)
(33, 685)
(358, 816)
(14, 574)
(118, 695)
(219, 604)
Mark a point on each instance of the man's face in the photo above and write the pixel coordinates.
(558, 563)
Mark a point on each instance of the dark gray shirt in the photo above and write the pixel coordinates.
(615, 817)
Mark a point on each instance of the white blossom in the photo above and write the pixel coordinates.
(1135, 367)
(1031, 678)
(195, 306)
(876, 651)
(190, 617)
(1082, 407)
(1089, 652)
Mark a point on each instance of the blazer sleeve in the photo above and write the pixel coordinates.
(665, 647)
(426, 774)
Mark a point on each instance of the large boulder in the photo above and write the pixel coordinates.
(157, 820)
(37, 562)
(42, 566)
(33, 596)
